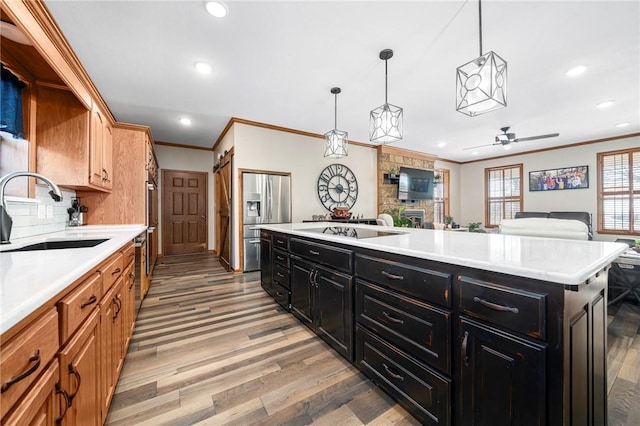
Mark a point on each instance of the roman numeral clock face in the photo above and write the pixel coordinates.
(337, 187)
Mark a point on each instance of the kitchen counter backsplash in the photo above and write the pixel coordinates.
(53, 216)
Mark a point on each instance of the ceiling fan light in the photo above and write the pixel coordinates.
(481, 85)
(507, 146)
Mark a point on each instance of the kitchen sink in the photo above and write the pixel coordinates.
(59, 244)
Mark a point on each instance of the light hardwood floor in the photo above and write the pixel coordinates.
(212, 348)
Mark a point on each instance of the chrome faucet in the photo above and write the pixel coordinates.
(5, 220)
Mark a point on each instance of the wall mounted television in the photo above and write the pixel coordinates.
(415, 184)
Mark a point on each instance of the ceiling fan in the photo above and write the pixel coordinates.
(505, 139)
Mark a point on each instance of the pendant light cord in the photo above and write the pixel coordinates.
(480, 20)
(335, 114)
(385, 81)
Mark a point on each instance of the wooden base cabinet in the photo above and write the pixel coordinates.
(80, 374)
(40, 405)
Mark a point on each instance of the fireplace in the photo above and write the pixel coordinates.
(416, 216)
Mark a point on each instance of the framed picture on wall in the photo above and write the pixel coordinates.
(559, 179)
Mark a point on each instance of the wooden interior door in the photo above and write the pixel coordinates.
(223, 212)
(184, 212)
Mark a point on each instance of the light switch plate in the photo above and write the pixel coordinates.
(42, 211)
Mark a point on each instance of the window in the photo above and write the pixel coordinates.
(441, 196)
(619, 192)
(503, 193)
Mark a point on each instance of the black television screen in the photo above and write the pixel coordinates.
(415, 184)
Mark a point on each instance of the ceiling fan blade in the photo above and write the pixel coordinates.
(531, 138)
(480, 146)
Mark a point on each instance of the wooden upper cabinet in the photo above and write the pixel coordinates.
(74, 145)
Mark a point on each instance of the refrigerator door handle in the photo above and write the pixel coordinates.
(254, 241)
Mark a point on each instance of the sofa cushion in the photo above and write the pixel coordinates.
(546, 227)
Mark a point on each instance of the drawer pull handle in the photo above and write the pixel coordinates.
(91, 301)
(495, 307)
(75, 373)
(280, 258)
(278, 294)
(116, 271)
(392, 318)
(279, 241)
(391, 373)
(67, 403)
(313, 252)
(34, 359)
(465, 355)
(392, 276)
(279, 274)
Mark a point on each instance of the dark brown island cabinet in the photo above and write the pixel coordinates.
(454, 345)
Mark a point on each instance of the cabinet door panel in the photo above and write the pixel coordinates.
(502, 377)
(334, 318)
(301, 289)
(266, 266)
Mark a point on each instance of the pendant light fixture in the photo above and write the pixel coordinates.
(481, 85)
(335, 141)
(385, 122)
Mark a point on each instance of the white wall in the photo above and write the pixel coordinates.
(302, 156)
(472, 188)
(193, 160)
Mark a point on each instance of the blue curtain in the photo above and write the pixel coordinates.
(11, 104)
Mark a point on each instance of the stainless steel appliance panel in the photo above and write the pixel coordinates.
(267, 198)
(251, 254)
(250, 231)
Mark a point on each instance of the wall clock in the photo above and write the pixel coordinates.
(337, 187)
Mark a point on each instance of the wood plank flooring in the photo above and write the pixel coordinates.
(212, 348)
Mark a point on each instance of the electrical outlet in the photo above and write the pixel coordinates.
(49, 212)
(42, 211)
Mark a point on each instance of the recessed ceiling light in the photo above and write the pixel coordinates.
(606, 104)
(442, 144)
(203, 67)
(576, 71)
(217, 8)
(475, 153)
(623, 124)
(185, 121)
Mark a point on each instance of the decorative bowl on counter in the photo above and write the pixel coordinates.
(341, 213)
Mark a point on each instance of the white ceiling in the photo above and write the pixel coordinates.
(275, 62)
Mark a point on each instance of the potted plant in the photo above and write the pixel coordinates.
(398, 219)
(475, 227)
(448, 220)
(392, 172)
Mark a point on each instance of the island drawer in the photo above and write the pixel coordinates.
(281, 276)
(336, 258)
(25, 356)
(515, 309)
(77, 305)
(111, 269)
(428, 285)
(419, 329)
(281, 257)
(278, 292)
(423, 392)
(281, 241)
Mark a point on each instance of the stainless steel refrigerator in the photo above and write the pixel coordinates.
(266, 198)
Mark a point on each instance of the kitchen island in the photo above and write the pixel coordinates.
(460, 328)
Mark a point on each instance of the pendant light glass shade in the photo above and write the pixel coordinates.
(335, 141)
(385, 122)
(481, 84)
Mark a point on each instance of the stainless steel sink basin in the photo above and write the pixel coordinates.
(59, 244)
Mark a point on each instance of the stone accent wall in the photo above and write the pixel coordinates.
(390, 157)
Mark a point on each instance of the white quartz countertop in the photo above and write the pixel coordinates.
(567, 262)
(29, 279)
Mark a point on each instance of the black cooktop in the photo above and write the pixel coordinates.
(358, 233)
